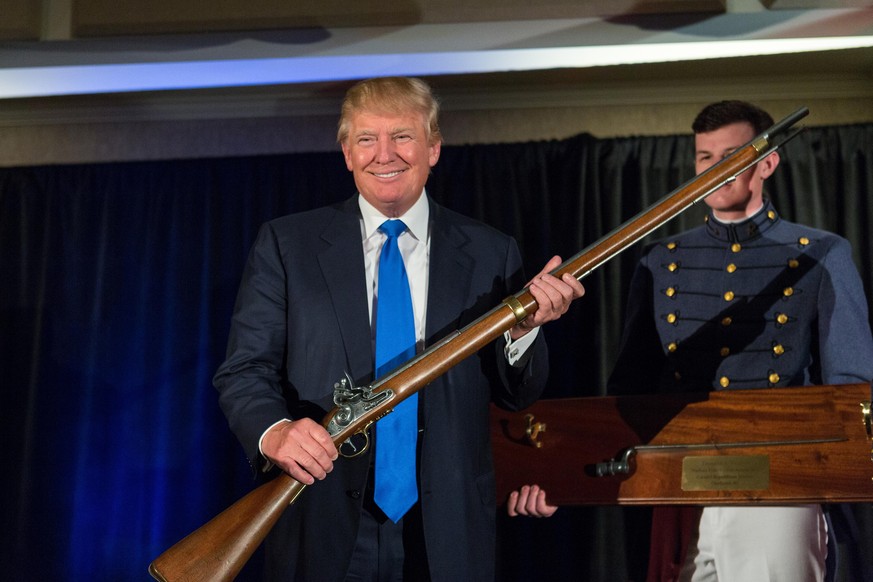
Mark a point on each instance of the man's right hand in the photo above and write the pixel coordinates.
(302, 448)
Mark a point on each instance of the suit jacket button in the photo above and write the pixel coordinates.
(354, 493)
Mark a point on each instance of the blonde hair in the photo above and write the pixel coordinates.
(391, 95)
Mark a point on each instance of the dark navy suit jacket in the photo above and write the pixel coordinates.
(301, 321)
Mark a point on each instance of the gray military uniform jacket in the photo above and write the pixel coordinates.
(756, 304)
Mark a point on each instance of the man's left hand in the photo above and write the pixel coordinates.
(553, 297)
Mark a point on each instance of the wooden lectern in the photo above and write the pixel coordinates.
(779, 445)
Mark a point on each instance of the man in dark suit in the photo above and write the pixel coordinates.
(305, 314)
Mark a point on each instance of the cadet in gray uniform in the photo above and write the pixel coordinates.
(748, 300)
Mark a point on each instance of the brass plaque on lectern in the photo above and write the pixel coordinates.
(726, 473)
(704, 448)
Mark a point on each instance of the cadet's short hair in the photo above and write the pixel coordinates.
(717, 115)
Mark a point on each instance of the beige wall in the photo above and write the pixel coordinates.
(626, 120)
(115, 128)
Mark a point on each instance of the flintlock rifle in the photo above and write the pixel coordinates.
(219, 549)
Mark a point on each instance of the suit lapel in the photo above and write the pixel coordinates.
(342, 264)
(451, 269)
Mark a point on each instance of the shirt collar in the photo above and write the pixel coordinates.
(415, 218)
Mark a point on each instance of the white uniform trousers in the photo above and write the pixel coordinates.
(758, 544)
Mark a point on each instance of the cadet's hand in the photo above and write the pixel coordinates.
(302, 448)
(553, 297)
(530, 500)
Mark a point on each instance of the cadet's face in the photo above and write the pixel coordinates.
(743, 196)
(390, 158)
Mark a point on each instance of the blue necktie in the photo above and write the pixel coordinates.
(396, 434)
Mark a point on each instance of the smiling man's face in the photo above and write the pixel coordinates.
(390, 157)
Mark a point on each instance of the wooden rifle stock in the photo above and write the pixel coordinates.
(219, 549)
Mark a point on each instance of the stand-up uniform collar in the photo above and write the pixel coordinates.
(745, 230)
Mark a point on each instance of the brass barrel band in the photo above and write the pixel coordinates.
(761, 144)
(517, 308)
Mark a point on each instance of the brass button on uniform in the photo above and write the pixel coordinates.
(672, 347)
(670, 291)
(726, 321)
(782, 318)
(731, 268)
(725, 352)
(778, 349)
(672, 267)
(671, 245)
(788, 291)
(771, 215)
(729, 296)
(671, 318)
(736, 247)
(724, 381)
(803, 241)
(793, 263)
(773, 378)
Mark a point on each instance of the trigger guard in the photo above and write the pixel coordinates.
(355, 445)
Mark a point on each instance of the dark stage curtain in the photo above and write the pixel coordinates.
(117, 283)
